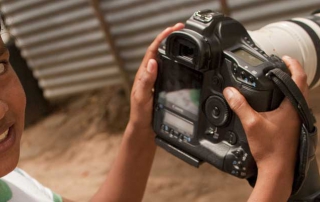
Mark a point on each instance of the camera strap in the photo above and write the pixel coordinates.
(293, 93)
(308, 135)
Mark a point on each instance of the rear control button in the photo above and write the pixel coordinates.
(188, 139)
(175, 134)
(243, 75)
(232, 138)
(236, 167)
(238, 153)
(171, 132)
(251, 79)
(235, 69)
(157, 108)
(235, 172)
(217, 111)
(235, 65)
(165, 128)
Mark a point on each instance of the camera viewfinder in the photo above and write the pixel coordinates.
(186, 52)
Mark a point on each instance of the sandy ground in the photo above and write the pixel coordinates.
(72, 150)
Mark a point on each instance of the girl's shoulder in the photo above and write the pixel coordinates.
(19, 186)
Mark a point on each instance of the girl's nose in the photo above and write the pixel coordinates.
(3, 109)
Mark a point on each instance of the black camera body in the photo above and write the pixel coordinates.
(192, 119)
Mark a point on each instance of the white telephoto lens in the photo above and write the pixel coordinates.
(298, 38)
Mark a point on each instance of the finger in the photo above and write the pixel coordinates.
(153, 48)
(286, 109)
(240, 106)
(297, 74)
(155, 44)
(143, 90)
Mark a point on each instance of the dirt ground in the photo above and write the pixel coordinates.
(72, 150)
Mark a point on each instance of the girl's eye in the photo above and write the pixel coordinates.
(2, 68)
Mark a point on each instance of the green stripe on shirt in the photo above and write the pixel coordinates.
(5, 192)
(56, 197)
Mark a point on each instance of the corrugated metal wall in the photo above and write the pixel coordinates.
(65, 47)
(136, 23)
(63, 44)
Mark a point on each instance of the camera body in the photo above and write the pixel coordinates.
(191, 118)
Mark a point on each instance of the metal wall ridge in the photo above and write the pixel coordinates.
(52, 8)
(66, 91)
(73, 55)
(82, 77)
(10, 7)
(74, 67)
(149, 10)
(158, 20)
(89, 25)
(63, 46)
(65, 43)
(115, 6)
(52, 22)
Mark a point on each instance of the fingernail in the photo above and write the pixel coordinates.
(286, 57)
(150, 67)
(228, 93)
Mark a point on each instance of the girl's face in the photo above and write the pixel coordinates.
(12, 109)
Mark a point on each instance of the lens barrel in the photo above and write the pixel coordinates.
(298, 38)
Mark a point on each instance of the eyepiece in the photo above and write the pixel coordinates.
(186, 52)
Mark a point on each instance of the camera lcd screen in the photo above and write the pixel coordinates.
(180, 124)
(179, 92)
(247, 57)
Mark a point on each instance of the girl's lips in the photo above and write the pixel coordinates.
(8, 141)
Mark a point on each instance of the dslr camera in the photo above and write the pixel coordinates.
(191, 118)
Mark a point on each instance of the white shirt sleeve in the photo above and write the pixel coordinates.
(22, 187)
